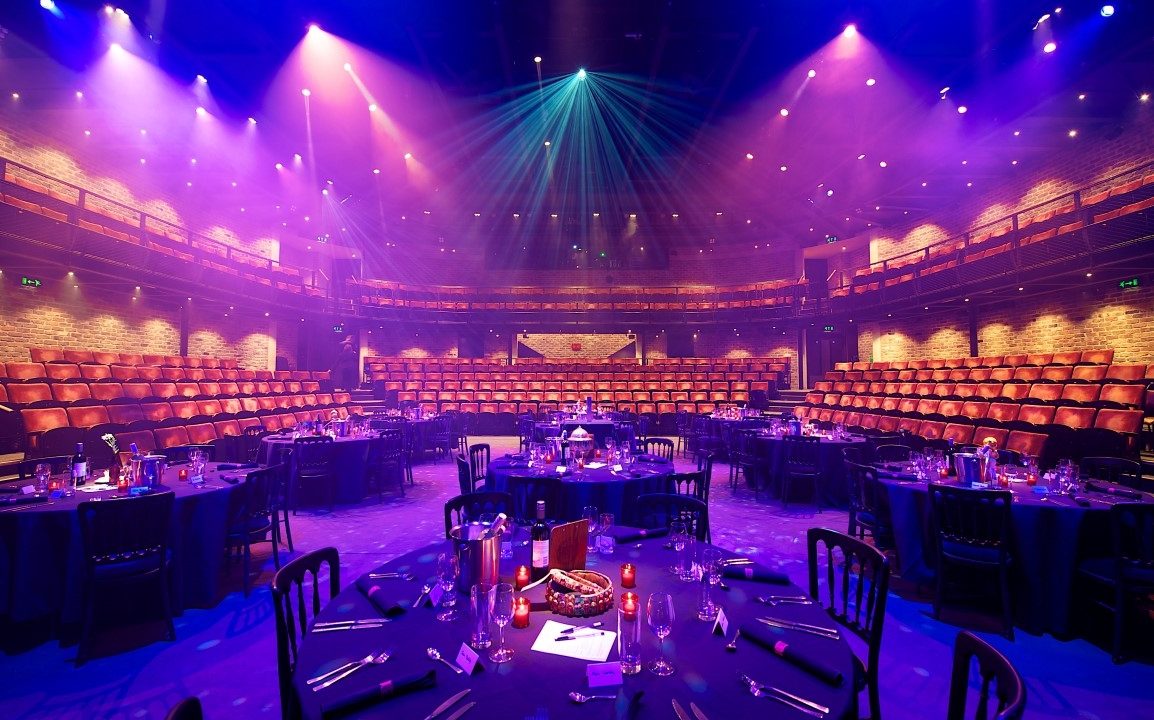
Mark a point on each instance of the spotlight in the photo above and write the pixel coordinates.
(581, 74)
(115, 47)
(1050, 47)
(279, 166)
(883, 164)
(784, 168)
(79, 95)
(1072, 133)
(829, 193)
(373, 107)
(537, 59)
(871, 82)
(811, 74)
(408, 156)
(348, 67)
(201, 112)
(784, 112)
(962, 109)
(314, 28)
(1106, 11)
(376, 171)
(1144, 97)
(201, 79)
(749, 156)
(547, 143)
(15, 96)
(850, 31)
(297, 157)
(50, 6)
(861, 157)
(306, 92)
(252, 121)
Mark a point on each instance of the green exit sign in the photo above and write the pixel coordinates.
(1129, 283)
(339, 328)
(831, 239)
(827, 328)
(31, 282)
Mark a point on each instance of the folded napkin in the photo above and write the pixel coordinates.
(23, 499)
(237, 466)
(515, 456)
(652, 459)
(1114, 490)
(377, 693)
(626, 534)
(759, 573)
(379, 597)
(805, 659)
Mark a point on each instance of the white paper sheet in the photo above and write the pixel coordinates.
(593, 648)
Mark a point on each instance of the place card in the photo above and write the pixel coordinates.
(467, 659)
(721, 624)
(594, 465)
(561, 469)
(436, 594)
(603, 674)
(617, 467)
(27, 490)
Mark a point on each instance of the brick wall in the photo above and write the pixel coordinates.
(251, 339)
(412, 341)
(1072, 320)
(560, 345)
(751, 341)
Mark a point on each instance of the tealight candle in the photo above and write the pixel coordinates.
(944, 473)
(630, 605)
(521, 613)
(628, 575)
(1031, 479)
(521, 579)
(183, 475)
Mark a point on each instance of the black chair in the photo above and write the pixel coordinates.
(1113, 469)
(442, 439)
(312, 465)
(684, 423)
(856, 587)
(60, 465)
(296, 598)
(690, 483)
(471, 506)
(124, 544)
(866, 512)
(1009, 690)
(464, 474)
(1128, 572)
(528, 489)
(386, 460)
(479, 455)
(891, 453)
(253, 517)
(753, 461)
(251, 443)
(187, 709)
(526, 430)
(179, 453)
(801, 461)
(657, 510)
(971, 528)
(658, 447)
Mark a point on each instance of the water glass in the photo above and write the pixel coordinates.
(590, 513)
(607, 544)
(677, 533)
(604, 525)
(42, 476)
(480, 614)
(685, 559)
(710, 569)
(629, 639)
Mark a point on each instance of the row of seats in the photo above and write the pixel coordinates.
(36, 371)
(1128, 373)
(524, 405)
(73, 393)
(1070, 357)
(1110, 394)
(552, 367)
(582, 386)
(1123, 419)
(104, 357)
(599, 396)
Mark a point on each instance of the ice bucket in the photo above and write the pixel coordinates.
(151, 471)
(479, 558)
(968, 467)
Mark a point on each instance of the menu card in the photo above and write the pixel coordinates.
(567, 545)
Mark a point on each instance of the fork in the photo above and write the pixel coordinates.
(367, 660)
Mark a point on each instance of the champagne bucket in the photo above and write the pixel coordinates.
(479, 558)
(968, 467)
(150, 474)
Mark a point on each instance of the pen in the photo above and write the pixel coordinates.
(577, 636)
(570, 631)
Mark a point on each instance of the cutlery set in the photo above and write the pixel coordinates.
(682, 715)
(345, 670)
(406, 576)
(443, 707)
(761, 690)
(336, 625)
(775, 600)
(819, 630)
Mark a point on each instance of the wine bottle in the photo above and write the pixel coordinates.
(497, 527)
(79, 466)
(539, 534)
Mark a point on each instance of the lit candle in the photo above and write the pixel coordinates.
(521, 579)
(1031, 479)
(521, 613)
(944, 473)
(629, 605)
(183, 474)
(628, 575)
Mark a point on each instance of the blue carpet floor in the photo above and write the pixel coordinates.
(227, 655)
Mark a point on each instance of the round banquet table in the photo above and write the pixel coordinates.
(350, 462)
(609, 490)
(41, 559)
(834, 490)
(535, 684)
(1050, 534)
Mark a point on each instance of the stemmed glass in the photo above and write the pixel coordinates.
(660, 612)
(610, 447)
(502, 614)
(710, 576)
(447, 572)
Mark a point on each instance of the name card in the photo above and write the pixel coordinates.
(467, 659)
(721, 624)
(436, 594)
(617, 467)
(603, 674)
(27, 490)
(561, 469)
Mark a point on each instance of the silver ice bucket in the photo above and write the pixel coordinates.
(478, 558)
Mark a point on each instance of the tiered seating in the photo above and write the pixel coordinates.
(1082, 408)
(695, 385)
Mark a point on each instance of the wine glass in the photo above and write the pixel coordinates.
(502, 614)
(660, 612)
(710, 576)
(447, 572)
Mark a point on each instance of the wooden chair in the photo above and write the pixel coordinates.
(528, 489)
(386, 460)
(865, 508)
(471, 506)
(479, 455)
(464, 474)
(1128, 572)
(254, 519)
(1113, 469)
(1009, 690)
(295, 611)
(801, 461)
(658, 447)
(657, 510)
(856, 588)
(312, 465)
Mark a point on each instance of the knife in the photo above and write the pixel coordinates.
(697, 712)
(679, 711)
(461, 712)
(447, 704)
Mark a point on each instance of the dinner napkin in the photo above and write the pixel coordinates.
(237, 466)
(377, 693)
(652, 459)
(23, 499)
(626, 534)
(805, 659)
(1113, 490)
(759, 573)
(514, 456)
(379, 597)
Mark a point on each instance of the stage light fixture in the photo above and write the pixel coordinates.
(306, 92)
(202, 79)
(811, 74)
(408, 156)
(537, 59)
(48, 5)
(850, 31)
(784, 112)
(252, 121)
(1106, 11)
(1050, 47)
(749, 156)
(962, 109)
(201, 112)
(348, 67)
(581, 74)
(871, 82)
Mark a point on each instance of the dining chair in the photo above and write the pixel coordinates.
(1128, 572)
(690, 483)
(993, 667)
(657, 510)
(187, 709)
(479, 455)
(124, 543)
(528, 489)
(658, 447)
(443, 439)
(296, 598)
(684, 424)
(471, 506)
(801, 461)
(464, 474)
(179, 453)
(866, 512)
(705, 467)
(312, 465)
(891, 453)
(253, 517)
(971, 528)
(1113, 469)
(386, 460)
(854, 595)
(251, 445)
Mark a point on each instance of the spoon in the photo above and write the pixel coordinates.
(434, 654)
(581, 698)
(424, 592)
(731, 646)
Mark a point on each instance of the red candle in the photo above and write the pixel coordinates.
(944, 473)
(628, 575)
(183, 474)
(630, 605)
(521, 579)
(521, 613)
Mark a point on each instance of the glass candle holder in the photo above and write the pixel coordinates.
(521, 613)
(629, 634)
(521, 578)
(628, 575)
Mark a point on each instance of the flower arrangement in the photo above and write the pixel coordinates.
(110, 440)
